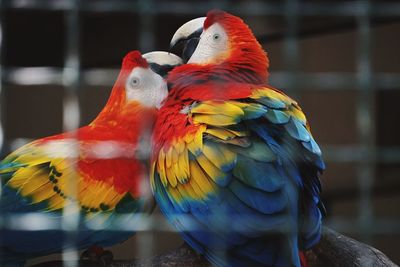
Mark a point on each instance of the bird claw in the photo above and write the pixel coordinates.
(98, 255)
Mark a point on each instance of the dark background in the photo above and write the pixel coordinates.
(325, 44)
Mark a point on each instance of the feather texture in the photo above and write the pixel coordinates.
(94, 168)
(240, 196)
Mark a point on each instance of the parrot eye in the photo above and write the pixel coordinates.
(216, 37)
(135, 82)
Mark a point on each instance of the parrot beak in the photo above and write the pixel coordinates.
(162, 62)
(188, 34)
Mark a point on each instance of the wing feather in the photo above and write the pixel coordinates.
(41, 177)
(245, 164)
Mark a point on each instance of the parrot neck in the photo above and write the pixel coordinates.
(227, 72)
(244, 65)
(248, 63)
(130, 118)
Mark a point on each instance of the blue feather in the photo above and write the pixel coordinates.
(265, 202)
(272, 103)
(250, 172)
(254, 111)
(17, 246)
(312, 146)
(297, 130)
(277, 116)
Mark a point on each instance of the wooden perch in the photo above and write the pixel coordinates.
(334, 250)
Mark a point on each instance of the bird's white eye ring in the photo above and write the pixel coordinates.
(216, 37)
(134, 82)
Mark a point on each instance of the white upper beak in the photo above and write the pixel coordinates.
(187, 29)
(163, 58)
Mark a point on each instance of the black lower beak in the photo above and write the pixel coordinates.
(189, 45)
(161, 70)
(189, 48)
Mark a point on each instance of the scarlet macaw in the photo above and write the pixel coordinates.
(94, 168)
(234, 167)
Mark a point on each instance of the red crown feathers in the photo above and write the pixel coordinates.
(134, 59)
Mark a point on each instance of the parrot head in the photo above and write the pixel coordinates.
(140, 85)
(141, 82)
(222, 38)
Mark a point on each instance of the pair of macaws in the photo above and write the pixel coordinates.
(234, 166)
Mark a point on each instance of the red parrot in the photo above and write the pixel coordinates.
(97, 168)
(234, 166)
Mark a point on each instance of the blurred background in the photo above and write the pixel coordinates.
(339, 59)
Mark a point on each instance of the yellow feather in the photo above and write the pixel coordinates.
(99, 191)
(184, 164)
(32, 160)
(297, 113)
(192, 148)
(16, 181)
(198, 176)
(86, 195)
(239, 133)
(197, 143)
(83, 191)
(113, 198)
(69, 183)
(220, 133)
(219, 155)
(213, 172)
(227, 153)
(40, 178)
(161, 167)
(173, 191)
(175, 154)
(199, 193)
(267, 92)
(215, 120)
(188, 137)
(55, 202)
(242, 106)
(61, 164)
(22, 176)
(179, 173)
(168, 157)
(9, 169)
(42, 193)
(110, 198)
(111, 201)
(96, 189)
(86, 199)
(218, 107)
(171, 177)
(180, 146)
(189, 190)
(213, 155)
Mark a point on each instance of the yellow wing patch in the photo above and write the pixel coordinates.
(195, 165)
(51, 179)
(191, 167)
(272, 94)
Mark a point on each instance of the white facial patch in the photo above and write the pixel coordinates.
(146, 87)
(213, 43)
